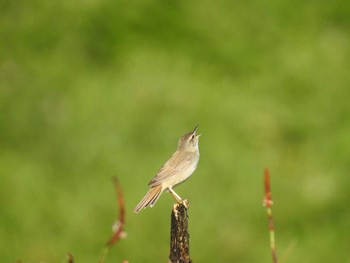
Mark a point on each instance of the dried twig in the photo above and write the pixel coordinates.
(268, 204)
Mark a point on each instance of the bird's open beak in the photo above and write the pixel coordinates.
(195, 129)
(197, 136)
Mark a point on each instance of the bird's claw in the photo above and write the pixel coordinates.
(185, 203)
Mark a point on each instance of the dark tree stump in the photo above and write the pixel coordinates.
(179, 237)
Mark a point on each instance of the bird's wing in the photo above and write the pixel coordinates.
(174, 165)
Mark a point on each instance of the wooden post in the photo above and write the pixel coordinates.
(179, 237)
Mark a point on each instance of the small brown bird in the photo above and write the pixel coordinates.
(175, 171)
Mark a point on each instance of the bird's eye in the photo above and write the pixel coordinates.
(192, 137)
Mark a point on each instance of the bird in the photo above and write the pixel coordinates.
(175, 171)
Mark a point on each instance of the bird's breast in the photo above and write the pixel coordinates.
(187, 171)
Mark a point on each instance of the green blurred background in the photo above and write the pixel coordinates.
(90, 89)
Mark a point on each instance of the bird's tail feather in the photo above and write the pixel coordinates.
(150, 198)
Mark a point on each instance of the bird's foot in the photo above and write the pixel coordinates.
(185, 203)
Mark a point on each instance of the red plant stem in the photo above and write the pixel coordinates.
(268, 204)
(118, 229)
(121, 221)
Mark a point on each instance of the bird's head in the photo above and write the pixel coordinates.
(189, 141)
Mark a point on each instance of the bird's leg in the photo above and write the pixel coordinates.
(175, 195)
(178, 198)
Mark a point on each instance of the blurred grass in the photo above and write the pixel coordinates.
(91, 89)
